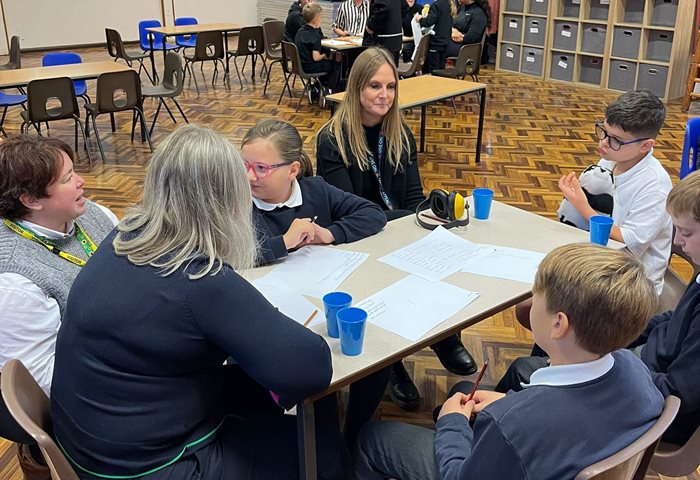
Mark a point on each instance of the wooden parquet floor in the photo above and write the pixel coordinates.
(534, 132)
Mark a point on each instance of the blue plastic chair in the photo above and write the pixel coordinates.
(182, 40)
(689, 159)
(7, 101)
(67, 58)
(157, 37)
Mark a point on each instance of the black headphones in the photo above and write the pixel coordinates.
(450, 210)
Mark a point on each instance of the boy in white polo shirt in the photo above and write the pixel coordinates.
(625, 142)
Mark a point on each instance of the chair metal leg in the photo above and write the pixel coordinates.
(142, 67)
(155, 117)
(235, 64)
(97, 136)
(85, 140)
(193, 76)
(167, 109)
(144, 130)
(133, 125)
(286, 85)
(76, 136)
(180, 108)
(454, 105)
(302, 95)
(111, 119)
(2, 121)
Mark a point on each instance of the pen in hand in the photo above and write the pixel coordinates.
(478, 379)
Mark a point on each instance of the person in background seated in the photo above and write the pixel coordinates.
(314, 57)
(468, 26)
(670, 344)
(140, 387)
(294, 19)
(352, 18)
(290, 209)
(43, 212)
(367, 149)
(591, 402)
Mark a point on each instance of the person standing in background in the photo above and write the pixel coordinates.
(439, 17)
(384, 26)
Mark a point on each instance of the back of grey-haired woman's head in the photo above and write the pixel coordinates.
(196, 204)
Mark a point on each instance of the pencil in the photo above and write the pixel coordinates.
(433, 217)
(478, 379)
(311, 317)
(313, 220)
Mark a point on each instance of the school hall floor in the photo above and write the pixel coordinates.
(537, 132)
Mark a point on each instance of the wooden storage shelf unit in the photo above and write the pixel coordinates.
(612, 44)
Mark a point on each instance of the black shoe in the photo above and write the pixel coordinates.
(453, 356)
(403, 391)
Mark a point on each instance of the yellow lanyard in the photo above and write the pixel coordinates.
(85, 242)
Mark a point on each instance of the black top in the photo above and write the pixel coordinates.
(347, 216)
(294, 22)
(471, 22)
(440, 19)
(307, 40)
(672, 353)
(139, 368)
(407, 14)
(385, 22)
(403, 187)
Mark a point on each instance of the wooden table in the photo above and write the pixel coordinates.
(189, 30)
(425, 89)
(507, 226)
(76, 71)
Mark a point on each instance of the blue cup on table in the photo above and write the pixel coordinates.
(482, 202)
(332, 302)
(351, 323)
(601, 226)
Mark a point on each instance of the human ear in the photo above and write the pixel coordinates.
(560, 326)
(294, 170)
(31, 202)
(648, 144)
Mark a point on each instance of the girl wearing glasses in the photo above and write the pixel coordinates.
(291, 208)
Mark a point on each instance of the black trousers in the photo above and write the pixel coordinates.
(435, 60)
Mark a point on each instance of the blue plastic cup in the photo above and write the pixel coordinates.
(332, 302)
(601, 226)
(482, 202)
(351, 322)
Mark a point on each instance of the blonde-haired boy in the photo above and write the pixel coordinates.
(592, 401)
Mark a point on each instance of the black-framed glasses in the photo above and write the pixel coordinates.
(615, 143)
(262, 170)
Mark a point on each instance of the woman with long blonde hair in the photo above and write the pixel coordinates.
(140, 387)
(367, 149)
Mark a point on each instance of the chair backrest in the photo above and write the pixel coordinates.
(689, 158)
(15, 54)
(143, 34)
(291, 62)
(173, 77)
(184, 21)
(209, 46)
(60, 58)
(117, 91)
(469, 60)
(44, 97)
(115, 44)
(632, 462)
(675, 460)
(251, 41)
(273, 34)
(29, 406)
(418, 58)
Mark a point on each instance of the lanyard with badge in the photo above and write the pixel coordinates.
(375, 168)
(85, 242)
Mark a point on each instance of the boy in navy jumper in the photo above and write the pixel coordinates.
(293, 209)
(588, 404)
(670, 344)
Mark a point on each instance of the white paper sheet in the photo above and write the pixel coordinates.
(288, 301)
(435, 256)
(334, 43)
(316, 270)
(413, 306)
(505, 262)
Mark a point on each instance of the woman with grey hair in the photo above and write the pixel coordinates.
(140, 388)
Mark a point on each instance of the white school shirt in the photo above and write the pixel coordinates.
(30, 319)
(640, 213)
(295, 199)
(352, 18)
(562, 375)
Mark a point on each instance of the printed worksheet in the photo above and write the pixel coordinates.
(505, 262)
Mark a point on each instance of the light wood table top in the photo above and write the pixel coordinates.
(425, 89)
(196, 28)
(506, 226)
(77, 71)
(342, 43)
